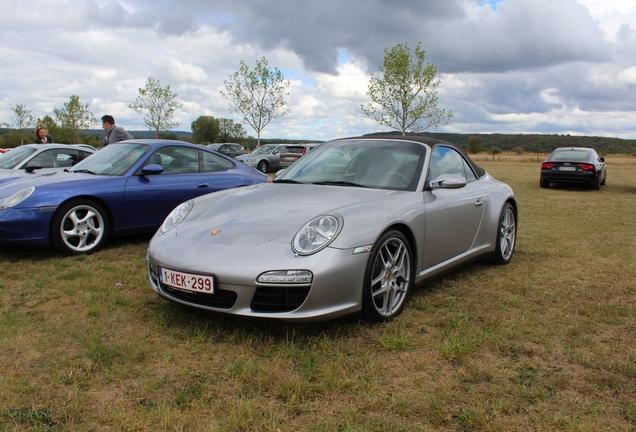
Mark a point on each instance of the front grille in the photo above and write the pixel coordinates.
(222, 299)
(278, 299)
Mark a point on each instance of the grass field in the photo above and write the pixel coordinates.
(545, 343)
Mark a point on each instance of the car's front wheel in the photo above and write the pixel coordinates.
(79, 227)
(262, 166)
(388, 278)
(506, 235)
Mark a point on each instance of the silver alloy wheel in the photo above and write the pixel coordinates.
(391, 277)
(82, 228)
(507, 233)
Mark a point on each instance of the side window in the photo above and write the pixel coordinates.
(66, 158)
(176, 160)
(212, 163)
(470, 175)
(47, 159)
(445, 160)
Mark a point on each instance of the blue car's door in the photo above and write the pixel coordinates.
(150, 198)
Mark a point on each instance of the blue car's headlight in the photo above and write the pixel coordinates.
(16, 198)
(176, 216)
(316, 234)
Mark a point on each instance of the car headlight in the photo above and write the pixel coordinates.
(176, 216)
(16, 198)
(316, 234)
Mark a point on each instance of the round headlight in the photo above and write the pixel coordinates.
(176, 216)
(316, 234)
(16, 198)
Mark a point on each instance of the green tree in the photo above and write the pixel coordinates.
(404, 96)
(474, 144)
(22, 120)
(494, 151)
(230, 131)
(257, 95)
(157, 105)
(75, 119)
(205, 129)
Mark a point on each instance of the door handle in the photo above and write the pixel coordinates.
(479, 202)
(203, 185)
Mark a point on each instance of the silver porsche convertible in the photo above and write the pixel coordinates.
(349, 228)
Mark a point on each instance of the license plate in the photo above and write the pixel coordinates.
(290, 158)
(187, 281)
(566, 168)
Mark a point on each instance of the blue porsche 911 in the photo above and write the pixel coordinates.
(125, 188)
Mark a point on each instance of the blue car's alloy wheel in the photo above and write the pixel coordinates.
(79, 227)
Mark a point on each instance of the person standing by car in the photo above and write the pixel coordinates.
(114, 133)
(41, 136)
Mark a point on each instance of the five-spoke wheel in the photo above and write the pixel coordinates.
(79, 227)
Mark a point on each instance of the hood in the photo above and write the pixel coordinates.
(14, 184)
(254, 215)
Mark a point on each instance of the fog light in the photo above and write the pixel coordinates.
(286, 276)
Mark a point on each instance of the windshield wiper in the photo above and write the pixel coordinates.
(84, 171)
(287, 181)
(339, 183)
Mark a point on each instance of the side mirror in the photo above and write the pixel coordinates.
(31, 166)
(152, 169)
(448, 181)
(602, 159)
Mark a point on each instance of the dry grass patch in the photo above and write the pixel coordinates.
(545, 343)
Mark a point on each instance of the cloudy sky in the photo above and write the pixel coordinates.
(505, 66)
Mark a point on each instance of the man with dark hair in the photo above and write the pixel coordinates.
(114, 133)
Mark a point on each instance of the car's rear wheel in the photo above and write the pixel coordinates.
(388, 278)
(595, 184)
(79, 227)
(506, 235)
(544, 183)
(262, 166)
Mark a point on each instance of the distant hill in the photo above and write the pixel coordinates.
(535, 143)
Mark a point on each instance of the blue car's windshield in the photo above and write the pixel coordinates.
(113, 160)
(13, 157)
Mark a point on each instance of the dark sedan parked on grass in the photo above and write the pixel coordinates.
(578, 165)
(125, 188)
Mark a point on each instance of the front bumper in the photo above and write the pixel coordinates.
(25, 227)
(336, 288)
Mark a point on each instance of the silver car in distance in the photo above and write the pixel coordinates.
(349, 228)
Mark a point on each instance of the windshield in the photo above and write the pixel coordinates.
(390, 164)
(113, 160)
(264, 149)
(14, 156)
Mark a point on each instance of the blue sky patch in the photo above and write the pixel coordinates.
(492, 3)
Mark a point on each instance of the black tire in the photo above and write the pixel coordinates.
(595, 184)
(506, 235)
(544, 183)
(262, 166)
(388, 279)
(79, 227)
